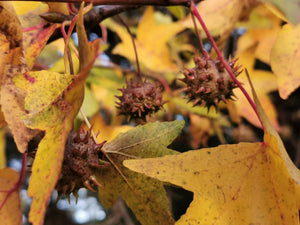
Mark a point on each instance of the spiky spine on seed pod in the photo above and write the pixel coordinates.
(81, 162)
(140, 98)
(208, 82)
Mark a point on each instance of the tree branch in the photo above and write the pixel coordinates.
(127, 2)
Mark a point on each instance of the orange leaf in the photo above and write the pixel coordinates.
(10, 213)
(34, 41)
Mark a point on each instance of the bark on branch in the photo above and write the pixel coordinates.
(127, 2)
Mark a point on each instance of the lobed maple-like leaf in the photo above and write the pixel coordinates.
(245, 183)
(285, 57)
(151, 42)
(146, 197)
(10, 213)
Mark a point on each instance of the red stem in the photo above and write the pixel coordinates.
(221, 58)
(27, 29)
(19, 182)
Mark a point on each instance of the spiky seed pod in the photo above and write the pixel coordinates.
(81, 162)
(140, 98)
(208, 82)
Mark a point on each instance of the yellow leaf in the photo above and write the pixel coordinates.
(29, 13)
(53, 112)
(219, 16)
(259, 78)
(151, 42)
(201, 129)
(107, 132)
(2, 148)
(261, 17)
(10, 213)
(285, 58)
(273, 139)
(27, 7)
(245, 183)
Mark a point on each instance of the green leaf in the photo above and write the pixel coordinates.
(146, 197)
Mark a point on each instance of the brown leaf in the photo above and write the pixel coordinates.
(12, 62)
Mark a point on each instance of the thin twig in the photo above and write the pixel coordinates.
(204, 53)
(134, 47)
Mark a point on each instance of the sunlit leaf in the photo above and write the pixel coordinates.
(232, 184)
(219, 16)
(147, 197)
(273, 139)
(151, 42)
(245, 183)
(259, 78)
(54, 112)
(285, 57)
(107, 132)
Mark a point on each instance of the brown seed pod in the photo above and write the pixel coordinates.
(208, 82)
(81, 162)
(140, 98)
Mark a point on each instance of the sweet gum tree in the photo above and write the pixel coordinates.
(128, 69)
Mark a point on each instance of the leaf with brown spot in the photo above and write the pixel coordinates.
(53, 111)
(245, 183)
(10, 213)
(147, 197)
(232, 184)
(12, 62)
